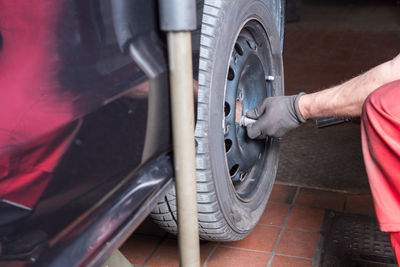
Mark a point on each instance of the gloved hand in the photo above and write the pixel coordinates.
(275, 117)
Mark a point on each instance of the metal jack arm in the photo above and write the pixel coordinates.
(178, 18)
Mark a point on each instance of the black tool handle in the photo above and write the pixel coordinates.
(325, 122)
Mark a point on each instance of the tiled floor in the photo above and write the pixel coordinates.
(286, 234)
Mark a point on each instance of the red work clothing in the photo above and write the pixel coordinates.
(380, 128)
(395, 239)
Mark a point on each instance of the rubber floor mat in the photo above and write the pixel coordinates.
(328, 158)
(351, 240)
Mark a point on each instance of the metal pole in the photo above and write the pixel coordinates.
(178, 18)
(181, 80)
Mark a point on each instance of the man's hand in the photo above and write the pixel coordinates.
(275, 117)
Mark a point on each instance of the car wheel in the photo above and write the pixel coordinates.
(240, 64)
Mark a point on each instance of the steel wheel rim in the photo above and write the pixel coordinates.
(247, 84)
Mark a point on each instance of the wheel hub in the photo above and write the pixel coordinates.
(247, 86)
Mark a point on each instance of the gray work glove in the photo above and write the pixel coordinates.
(275, 117)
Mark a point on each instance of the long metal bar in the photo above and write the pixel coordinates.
(181, 81)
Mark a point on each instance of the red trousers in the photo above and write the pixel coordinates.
(380, 128)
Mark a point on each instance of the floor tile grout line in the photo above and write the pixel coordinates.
(303, 230)
(295, 257)
(270, 225)
(323, 189)
(157, 246)
(211, 254)
(289, 228)
(283, 227)
(246, 249)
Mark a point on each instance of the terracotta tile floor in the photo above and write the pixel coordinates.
(286, 234)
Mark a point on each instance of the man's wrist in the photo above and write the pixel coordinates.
(304, 105)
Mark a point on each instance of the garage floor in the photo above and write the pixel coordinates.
(286, 235)
(319, 169)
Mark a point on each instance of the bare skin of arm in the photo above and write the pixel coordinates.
(346, 100)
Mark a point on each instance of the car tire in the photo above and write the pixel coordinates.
(241, 46)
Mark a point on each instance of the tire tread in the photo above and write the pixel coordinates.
(212, 224)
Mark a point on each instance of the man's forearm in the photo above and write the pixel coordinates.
(346, 100)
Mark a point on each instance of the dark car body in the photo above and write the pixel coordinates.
(72, 134)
